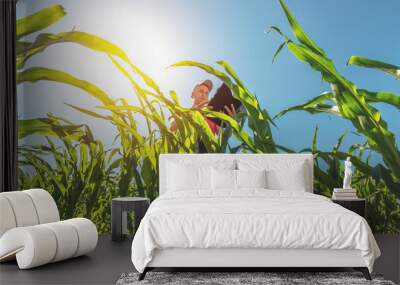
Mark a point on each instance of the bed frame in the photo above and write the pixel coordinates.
(242, 259)
(245, 258)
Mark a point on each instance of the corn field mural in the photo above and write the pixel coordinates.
(83, 173)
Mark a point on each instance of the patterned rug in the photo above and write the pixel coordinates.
(244, 278)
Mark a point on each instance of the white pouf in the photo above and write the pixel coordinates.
(31, 232)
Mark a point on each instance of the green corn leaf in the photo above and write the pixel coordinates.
(278, 50)
(239, 132)
(224, 135)
(147, 171)
(314, 140)
(317, 104)
(89, 41)
(339, 142)
(380, 172)
(35, 74)
(40, 20)
(248, 99)
(25, 53)
(390, 69)
(299, 32)
(112, 154)
(174, 97)
(381, 97)
(45, 127)
(232, 73)
(320, 63)
(88, 112)
(120, 123)
(130, 116)
(84, 39)
(22, 46)
(141, 93)
(114, 165)
(205, 67)
(276, 30)
(205, 134)
(119, 109)
(324, 179)
(83, 154)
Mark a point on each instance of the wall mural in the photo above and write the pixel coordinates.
(83, 172)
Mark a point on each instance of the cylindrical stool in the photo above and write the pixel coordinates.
(119, 208)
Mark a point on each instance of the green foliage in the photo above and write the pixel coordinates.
(47, 127)
(379, 184)
(350, 103)
(40, 20)
(390, 69)
(383, 211)
(258, 119)
(86, 190)
(83, 176)
(77, 177)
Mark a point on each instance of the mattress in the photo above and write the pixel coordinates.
(250, 219)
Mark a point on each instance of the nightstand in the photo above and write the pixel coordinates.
(119, 208)
(358, 205)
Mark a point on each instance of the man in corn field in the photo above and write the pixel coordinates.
(200, 96)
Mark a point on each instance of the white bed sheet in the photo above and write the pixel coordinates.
(251, 218)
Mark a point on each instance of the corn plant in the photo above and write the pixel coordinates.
(69, 197)
(346, 100)
(77, 177)
(128, 163)
(137, 158)
(383, 212)
(85, 176)
(258, 119)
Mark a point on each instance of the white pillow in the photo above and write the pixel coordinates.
(223, 179)
(251, 178)
(293, 179)
(193, 174)
(182, 177)
(227, 179)
(281, 174)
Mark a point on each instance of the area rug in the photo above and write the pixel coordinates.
(244, 278)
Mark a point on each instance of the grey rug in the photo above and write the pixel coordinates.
(233, 278)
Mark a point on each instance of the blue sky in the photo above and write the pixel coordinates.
(156, 33)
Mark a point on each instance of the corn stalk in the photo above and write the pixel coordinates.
(346, 100)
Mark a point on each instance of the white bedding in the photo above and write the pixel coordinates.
(251, 218)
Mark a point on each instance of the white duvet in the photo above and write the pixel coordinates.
(250, 219)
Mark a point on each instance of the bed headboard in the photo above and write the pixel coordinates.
(209, 159)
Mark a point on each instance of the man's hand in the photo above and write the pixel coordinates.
(231, 111)
(200, 105)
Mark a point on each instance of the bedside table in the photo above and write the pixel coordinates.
(358, 205)
(119, 208)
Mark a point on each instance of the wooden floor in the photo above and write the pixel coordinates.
(103, 266)
(110, 259)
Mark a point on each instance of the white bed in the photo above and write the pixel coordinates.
(250, 227)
